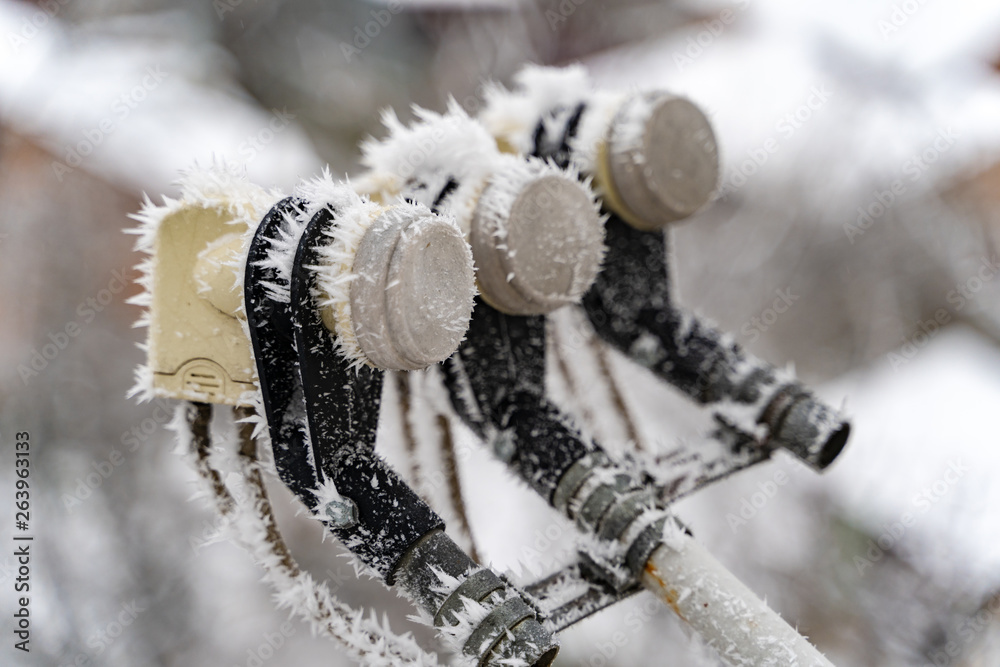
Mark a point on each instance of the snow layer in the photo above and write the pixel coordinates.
(511, 116)
(421, 158)
(335, 273)
(136, 110)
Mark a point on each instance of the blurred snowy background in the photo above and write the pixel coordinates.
(861, 186)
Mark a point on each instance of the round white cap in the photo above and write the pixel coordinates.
(537, 238)
(412, 299)
(662, 158)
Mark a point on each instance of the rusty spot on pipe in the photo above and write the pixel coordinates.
(670, 595)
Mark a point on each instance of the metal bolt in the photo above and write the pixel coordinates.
(343, 513)
(503, 446)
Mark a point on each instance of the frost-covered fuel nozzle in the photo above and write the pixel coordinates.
(398, 288)
(631, 541)
(654, 160)
(496, 383)
(330, 289)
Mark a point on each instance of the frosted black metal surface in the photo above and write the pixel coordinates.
(270, 327)
(630, 307)
(496, 382)
(593, 596)
(501, 368)
(342, 408)
(323, 417)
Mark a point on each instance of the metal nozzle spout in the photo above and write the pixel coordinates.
(806, 427)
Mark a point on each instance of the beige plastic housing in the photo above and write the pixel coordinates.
(407, 307)
(197, 348)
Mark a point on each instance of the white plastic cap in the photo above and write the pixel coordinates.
(537, 238)
(412, 299)
(662, 158)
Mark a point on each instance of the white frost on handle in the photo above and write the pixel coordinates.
(460, 624)
(178, 426)
(335, 271)
(438, 147)
(280, 254)
(744, 415)
(510, 177)
(592, 133)
(511, 116)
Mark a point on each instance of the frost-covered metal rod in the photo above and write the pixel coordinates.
(630, 306)
(726, 614)
(637, 536)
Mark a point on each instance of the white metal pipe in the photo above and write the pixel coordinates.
(719, 607)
